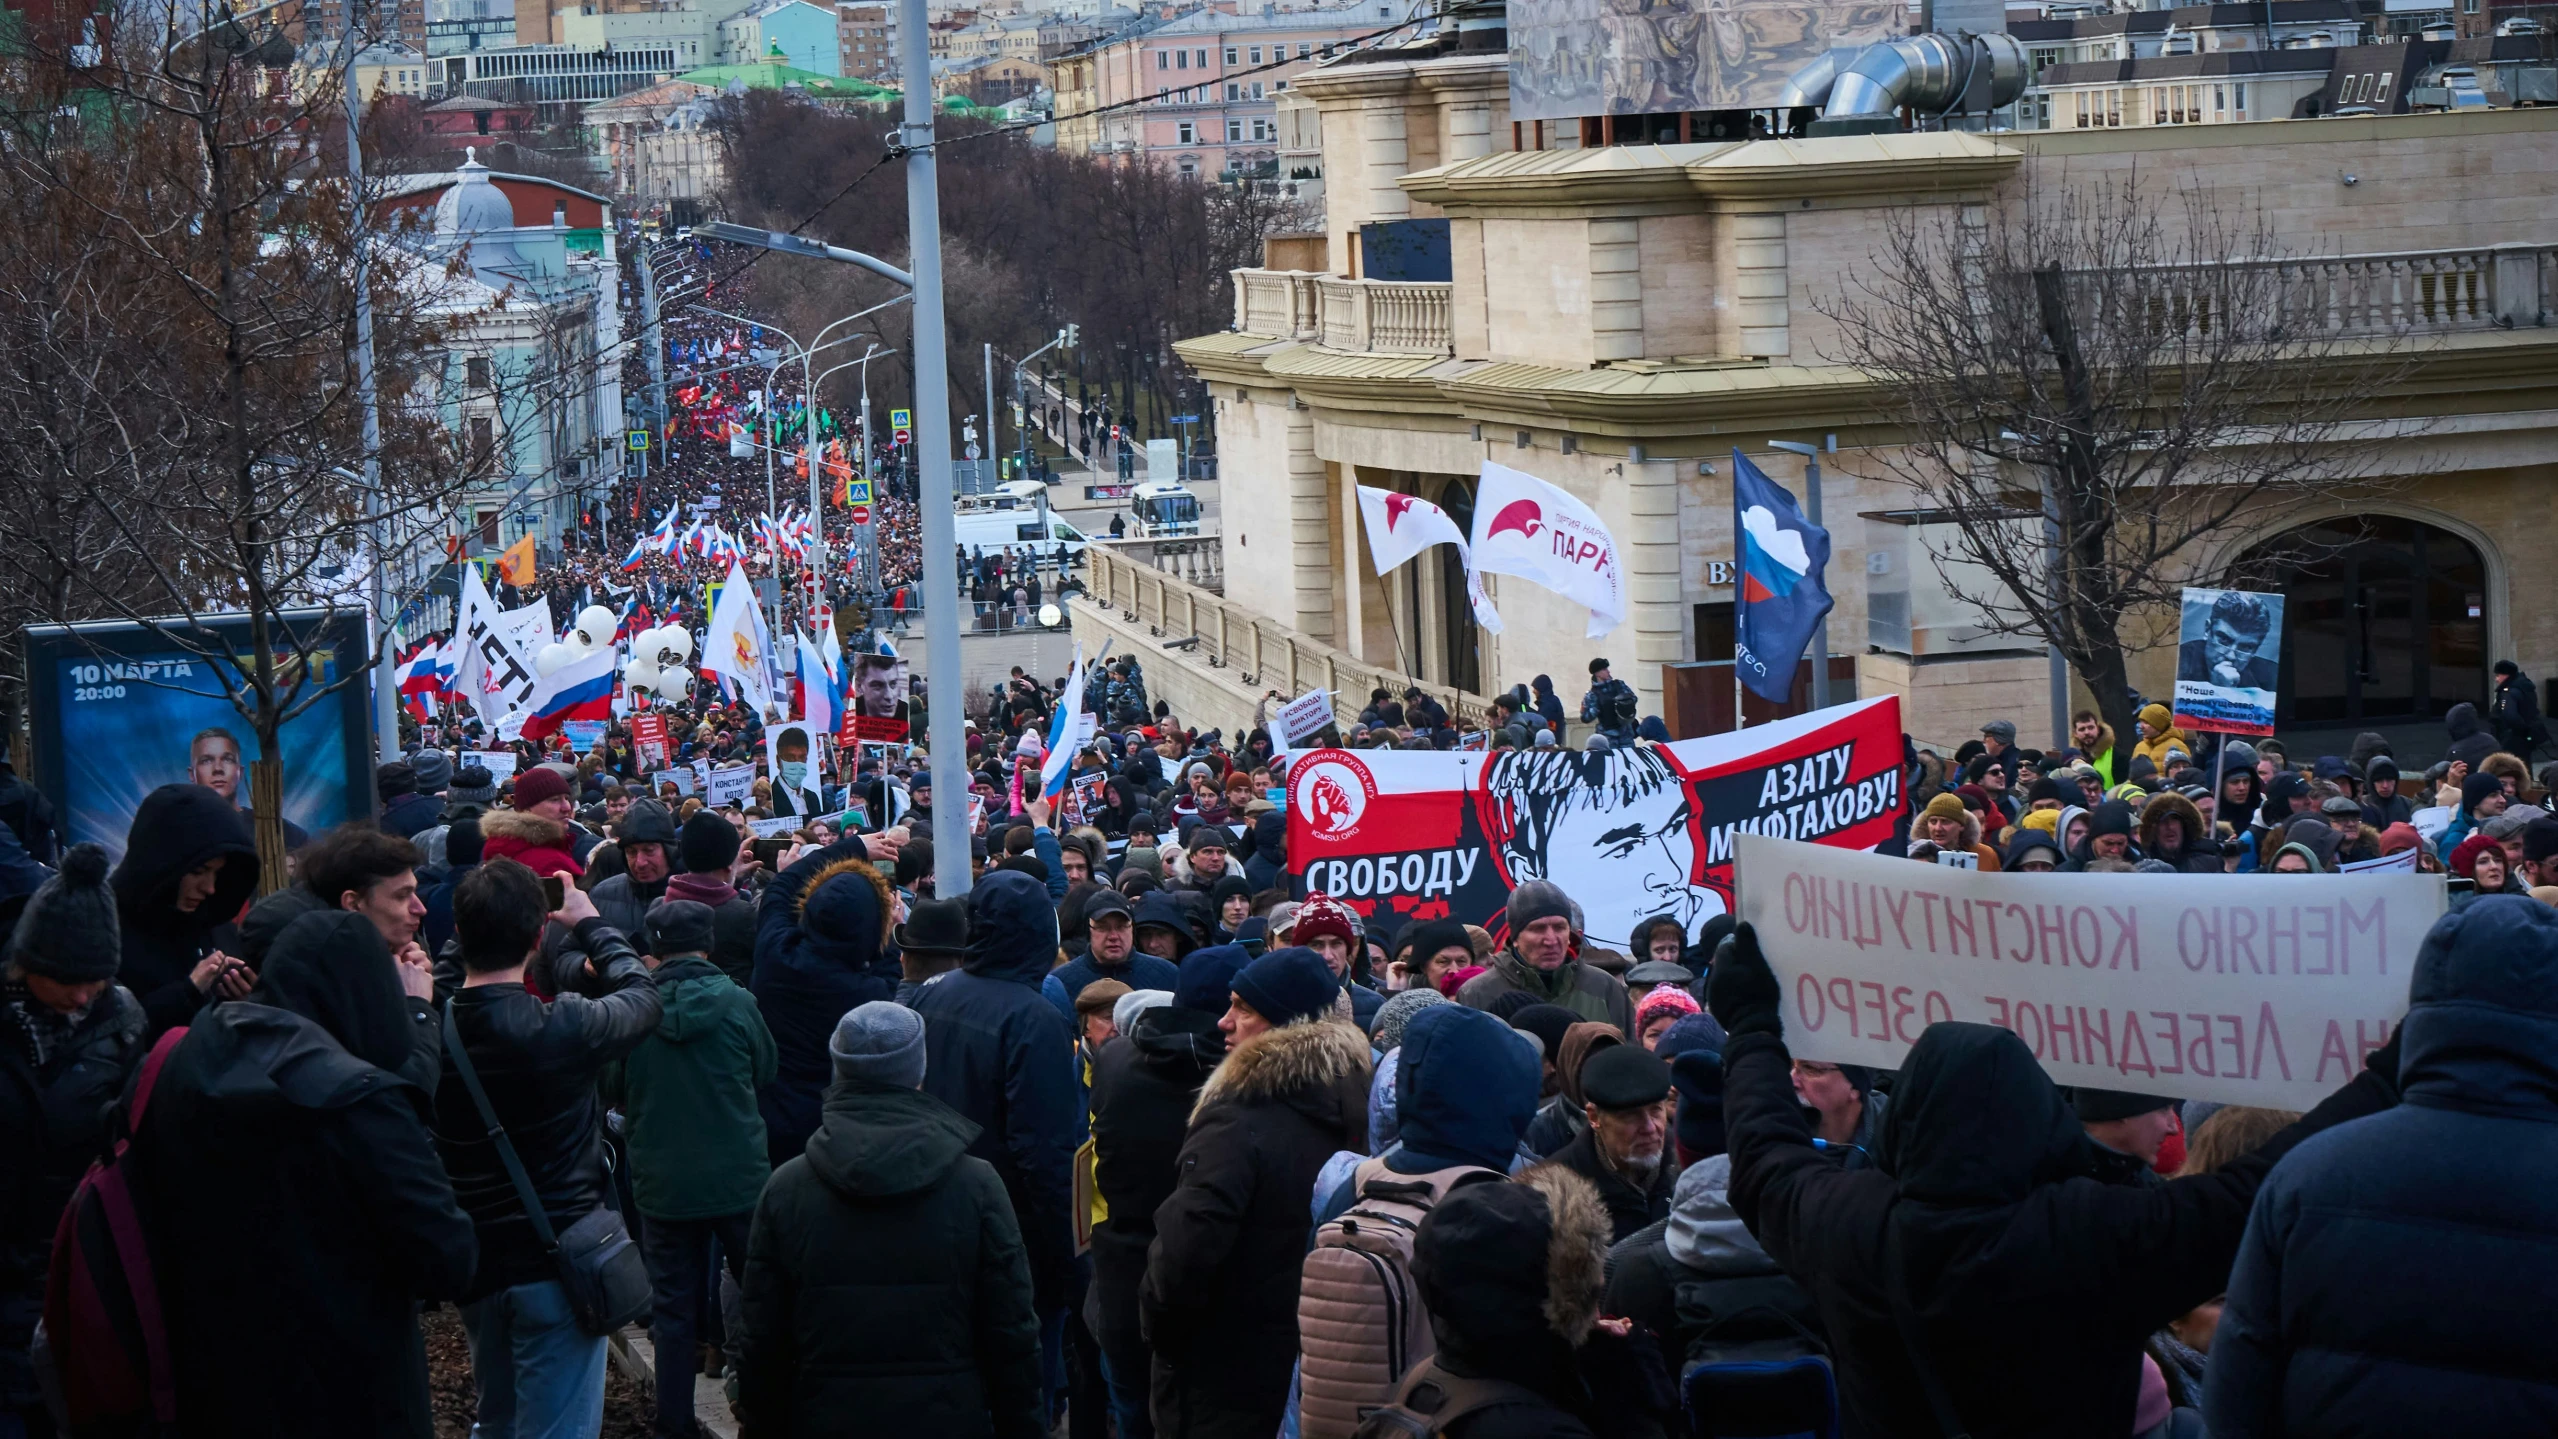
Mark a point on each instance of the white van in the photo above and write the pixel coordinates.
(994, 530)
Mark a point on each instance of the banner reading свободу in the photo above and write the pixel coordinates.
(2251, 989)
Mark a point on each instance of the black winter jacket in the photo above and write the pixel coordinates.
(805, 981)
(1629, 1208)
(539, 1063)
(2034, 1285)
(1220, 1297)
(2447, 1195)
(295, 1204)
(177, 828)
(1144, 1086)
(1001, 1055)
(52, 1123)
(886, 1290)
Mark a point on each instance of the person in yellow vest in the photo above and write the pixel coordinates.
(2158, 735)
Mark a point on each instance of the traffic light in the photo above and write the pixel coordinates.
(1071, 336)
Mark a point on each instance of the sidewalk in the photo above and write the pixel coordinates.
(633, 1355)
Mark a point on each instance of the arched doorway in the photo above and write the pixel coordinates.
(2385, 618)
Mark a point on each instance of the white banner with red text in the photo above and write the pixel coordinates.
(2249, 989)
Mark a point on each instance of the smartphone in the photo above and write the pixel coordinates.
(770, 852)
(553, 893)
(1958, 859)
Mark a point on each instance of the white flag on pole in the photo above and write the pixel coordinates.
(493, 672)
(736, 645)
(1400, 526)
(1526, 527)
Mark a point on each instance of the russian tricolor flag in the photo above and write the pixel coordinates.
(582, 689)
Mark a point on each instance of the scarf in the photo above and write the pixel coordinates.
(43, 1029)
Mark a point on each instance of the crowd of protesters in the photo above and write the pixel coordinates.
(1128, 1140)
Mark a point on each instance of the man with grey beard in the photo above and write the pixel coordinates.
(1624, 1152)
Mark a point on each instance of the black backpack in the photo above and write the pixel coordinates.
(1752, 1369)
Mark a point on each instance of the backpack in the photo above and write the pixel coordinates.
(1360, 1319)
(104, 1326)
(1752, 1371)
(1429, 1402)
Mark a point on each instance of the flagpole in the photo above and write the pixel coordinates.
(1740, 598)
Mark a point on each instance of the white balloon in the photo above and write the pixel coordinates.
(674, 684)
(640, 674)
(679, 642)
(551, 656)
(598, 623)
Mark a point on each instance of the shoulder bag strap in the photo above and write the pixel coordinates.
(497, 1134)
(1896, 1281)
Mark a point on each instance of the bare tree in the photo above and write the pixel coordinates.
(184, 278)
(2128, 376)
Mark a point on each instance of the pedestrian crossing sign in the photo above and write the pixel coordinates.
(857, 492)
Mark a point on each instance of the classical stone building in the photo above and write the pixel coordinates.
(1618, 320)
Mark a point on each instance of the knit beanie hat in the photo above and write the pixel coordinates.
(1547, 1023)
(68, 932)
(2476, 788)
(473, 784)
(1322, 914)
(2097, 1105)
(1946, 804)
(462, 841)
(1207, 977)
(538, 785)
(879, 1043)
(1287, 985)
(678, 926)
(395, 779)
(434, 771)
(1697, 1075)
(708, 844)
(1397, 1012)
(1535, 900)
(1668, 999)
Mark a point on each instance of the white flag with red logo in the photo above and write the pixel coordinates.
(1400, 526)
(1526, 527)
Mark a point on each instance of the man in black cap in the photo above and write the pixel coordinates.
(641, 859)
(933, 940)
(1112, 953)
(1624, 1152)
(2131, 1128)
(1610, 705)
(1998, 745)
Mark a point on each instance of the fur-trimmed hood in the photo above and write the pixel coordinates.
(2168, 804)
(524, 828)
(1295, 1061)
(1513, 1273)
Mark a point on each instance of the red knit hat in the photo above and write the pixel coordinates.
(1322, 914)
(536, 785)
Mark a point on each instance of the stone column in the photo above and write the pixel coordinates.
(1652, 560)
(1761, 328)
(1616, 290)
(1309, 529)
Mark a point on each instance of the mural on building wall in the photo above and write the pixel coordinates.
(1570, 58)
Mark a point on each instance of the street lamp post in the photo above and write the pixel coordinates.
(860, 544)
(1812, 511)
(945, 737)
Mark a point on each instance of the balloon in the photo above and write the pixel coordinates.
(597, 624)
(551, 656)
(679, 642)
(674, 684)
(640, 674)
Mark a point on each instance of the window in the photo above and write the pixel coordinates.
(1199, 58)
(483, 440)
(2220, 103)
(1261, 130)
(475, 372)
(1181, 59)
(1304, 49)
(1163, 59)
(1256, 90)
(2239, 96)
(1234, 132)
(1234, 92)
(1256, 54)
(1230, 54)
(1186, 134)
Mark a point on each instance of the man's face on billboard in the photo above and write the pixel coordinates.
(215, 764)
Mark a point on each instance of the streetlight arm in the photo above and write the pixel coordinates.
(798, 245)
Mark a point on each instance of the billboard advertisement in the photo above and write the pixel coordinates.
(1570, 58)
(118, 710)
(1631, 834)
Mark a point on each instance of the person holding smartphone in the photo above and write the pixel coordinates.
(538, 1372)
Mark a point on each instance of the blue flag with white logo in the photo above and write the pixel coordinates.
(1781, 598)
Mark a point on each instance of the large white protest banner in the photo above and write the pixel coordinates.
(2251, 989)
